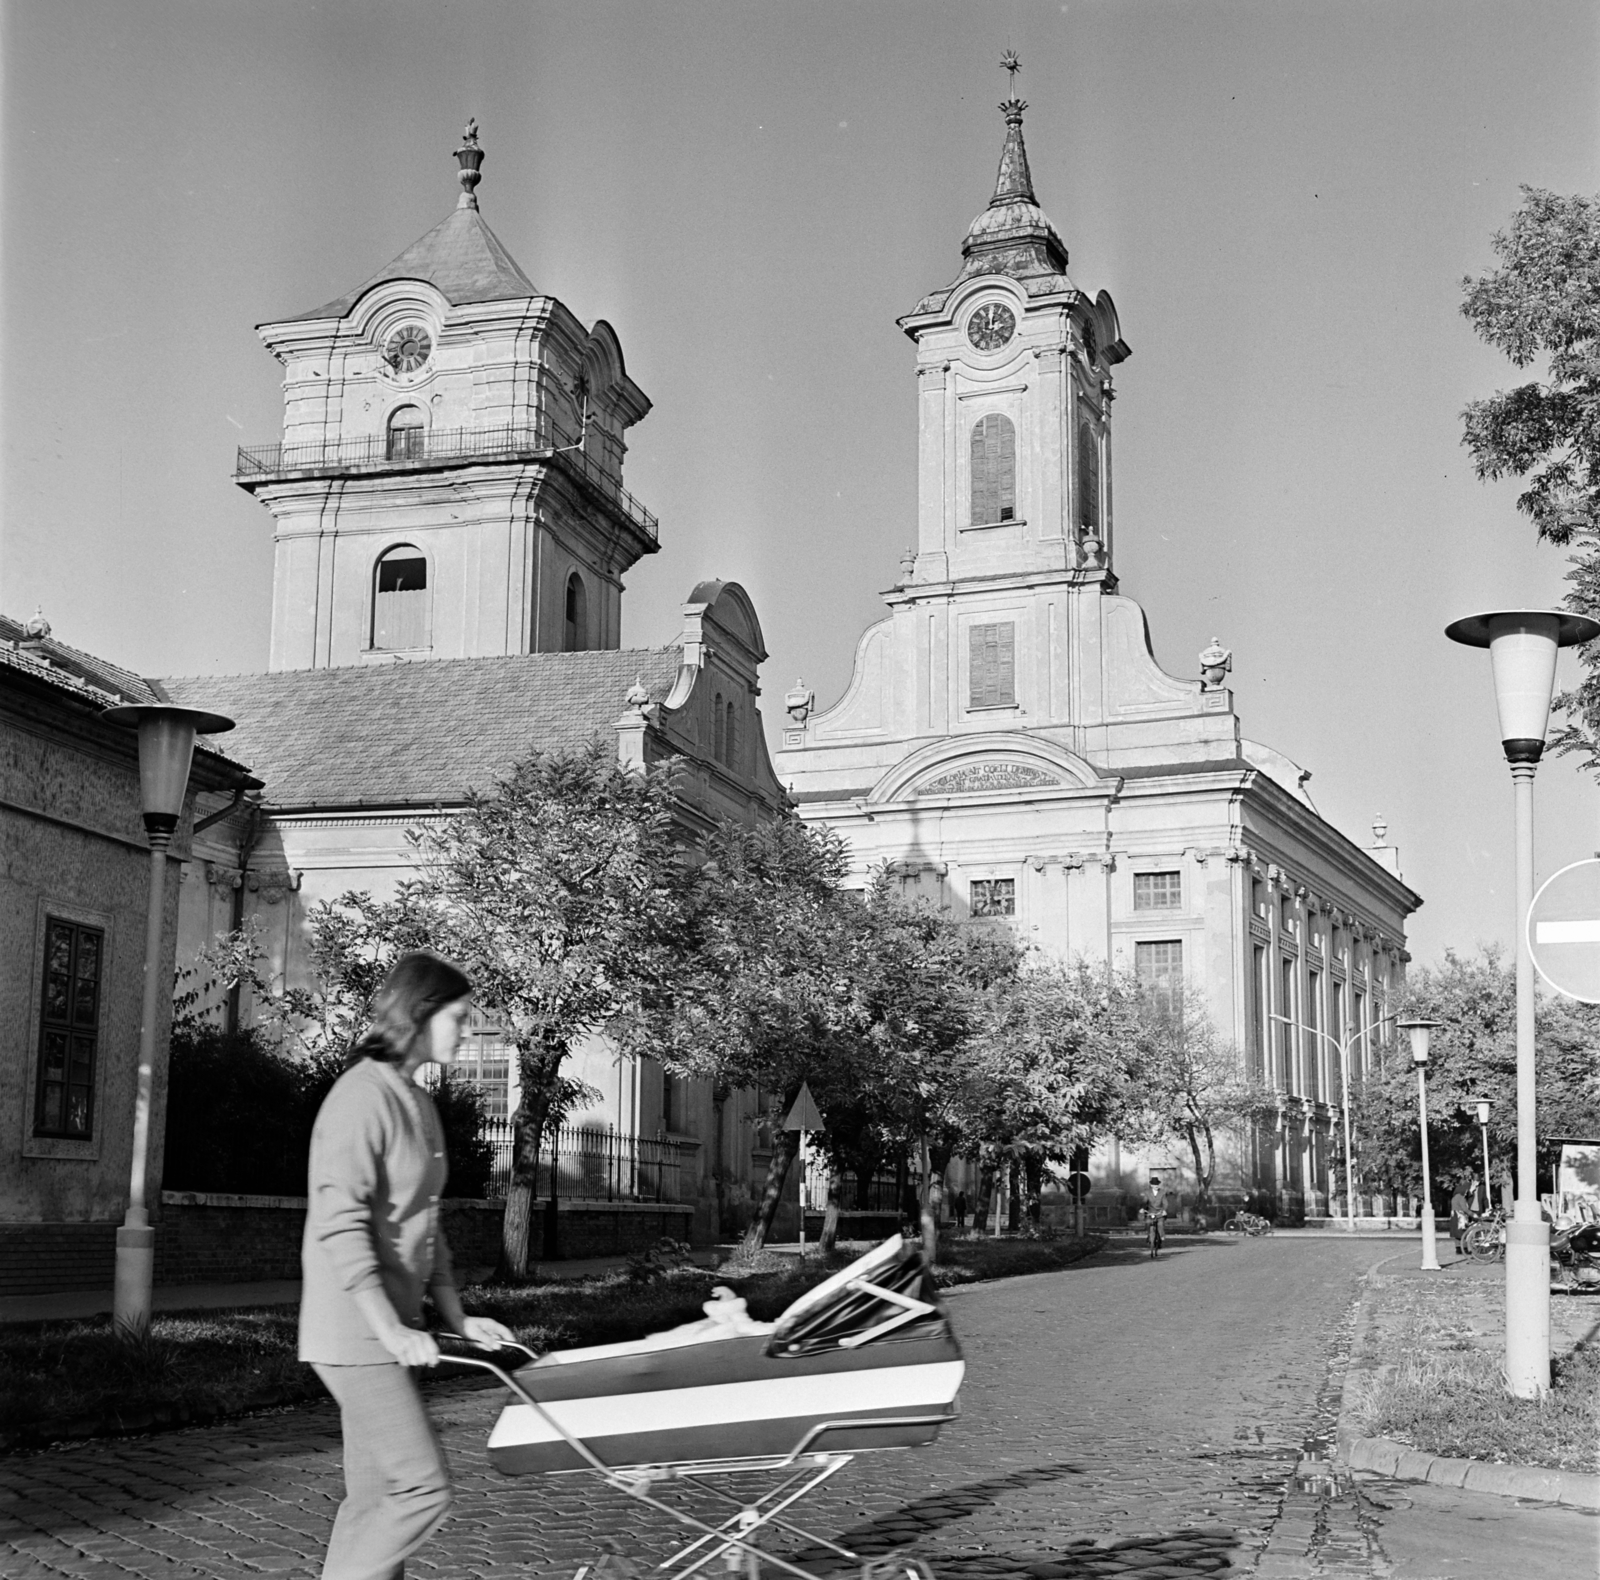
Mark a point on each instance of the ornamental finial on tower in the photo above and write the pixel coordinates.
(1015, 182)
(470, 158)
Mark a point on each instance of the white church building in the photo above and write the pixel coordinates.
(1009, 746)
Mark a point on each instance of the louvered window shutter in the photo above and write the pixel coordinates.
(991, 658)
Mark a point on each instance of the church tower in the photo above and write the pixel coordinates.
(1014, 383)
(449, 482)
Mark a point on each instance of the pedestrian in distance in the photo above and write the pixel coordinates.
(1460, 1218)
(373, 1245)
(958, 1204)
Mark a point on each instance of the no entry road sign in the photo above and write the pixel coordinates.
(1564, 931)
(1079, 1185)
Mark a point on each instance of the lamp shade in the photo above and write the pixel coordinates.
(166, 749)
(1420, 1030)
(1483, 1112)
(1522, 647)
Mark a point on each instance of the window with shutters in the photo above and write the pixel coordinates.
(69, 1030)
(992, 665)
(400, 600)
(994, 897)
(994, 471)
(407, 431)
(1159, 968)
(1157, 891)
(577, 618)
(1088, 480)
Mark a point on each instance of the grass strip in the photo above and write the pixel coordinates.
(1446, 1393)
(74, 1379)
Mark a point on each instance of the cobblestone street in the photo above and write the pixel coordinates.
(1121, 1418)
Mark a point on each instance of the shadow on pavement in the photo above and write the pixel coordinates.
(1197, 1551)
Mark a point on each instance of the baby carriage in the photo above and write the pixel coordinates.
(864, 1361)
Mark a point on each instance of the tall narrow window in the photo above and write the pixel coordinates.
(994, 470)
(406, 429)
(1315, 1085)
(719, 728)
(577, 628)
(730, 738)
(1159, 968)
(1263, 997)
(69, 1027)
(1287, 1074)
(992, 681)
(1088, 480)
(400, 600)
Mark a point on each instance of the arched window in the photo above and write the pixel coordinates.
(719, 729)
(577, 633)
(994, 470)
(1088, 480)
(400, 600)
(730, 740)
(406, 429)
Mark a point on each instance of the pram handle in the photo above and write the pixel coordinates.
(481, 1356)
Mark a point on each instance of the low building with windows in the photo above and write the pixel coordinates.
(74, 893)
(1010, 748)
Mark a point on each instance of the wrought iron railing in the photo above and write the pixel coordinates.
(591, 1163)
(414, 450)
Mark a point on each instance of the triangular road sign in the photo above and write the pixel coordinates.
(804, 1115)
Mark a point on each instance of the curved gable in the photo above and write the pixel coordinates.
(984, 765)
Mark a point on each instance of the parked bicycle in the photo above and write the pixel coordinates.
(1250, 1223)
(1485, 1239)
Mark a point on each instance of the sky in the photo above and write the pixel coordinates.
(1283, 200)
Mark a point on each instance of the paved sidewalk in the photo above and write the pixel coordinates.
(1123, 1417)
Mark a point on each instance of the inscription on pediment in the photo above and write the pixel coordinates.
(986, 776)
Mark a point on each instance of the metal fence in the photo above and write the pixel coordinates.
(418, 449)
(591, 1163)
(881, 1194)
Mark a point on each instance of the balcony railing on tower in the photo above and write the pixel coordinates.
(418, 451)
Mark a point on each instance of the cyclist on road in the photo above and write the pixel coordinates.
(1153, 1210)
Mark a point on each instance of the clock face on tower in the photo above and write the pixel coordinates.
(991, 326)
(407, 348)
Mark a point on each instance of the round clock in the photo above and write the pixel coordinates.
(991, 326)
(407, 348)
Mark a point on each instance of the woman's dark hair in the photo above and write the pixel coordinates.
(418, 986)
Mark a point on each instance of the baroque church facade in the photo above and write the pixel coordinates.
(1009, 747)
(451, 536)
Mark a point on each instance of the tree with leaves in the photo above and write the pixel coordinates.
(1473, 1055)
(1188, 1087)
(563, 893)
(1544, 302)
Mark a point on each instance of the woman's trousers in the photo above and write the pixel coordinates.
(397, 1489)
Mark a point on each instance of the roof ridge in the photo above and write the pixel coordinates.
(406, 664)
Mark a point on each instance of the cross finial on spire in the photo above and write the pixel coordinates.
(470, 158)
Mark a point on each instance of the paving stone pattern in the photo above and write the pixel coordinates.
(1121, 1418)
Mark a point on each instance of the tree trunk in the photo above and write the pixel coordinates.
(830, 1219)
(983, 1209)
(1014, 1196)
(925, 1216)
(777, 1172)
(1033, 1174)
(532, 1115)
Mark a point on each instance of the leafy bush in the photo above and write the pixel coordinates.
(240, 1113)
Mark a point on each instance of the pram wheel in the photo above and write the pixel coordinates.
(610, 1565)
(895, 1566)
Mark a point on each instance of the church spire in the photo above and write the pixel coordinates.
(1014, 184)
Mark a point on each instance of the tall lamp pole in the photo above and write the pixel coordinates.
(1420, 1031)
(1483, 1127)
(166, 749)
(1522, 647)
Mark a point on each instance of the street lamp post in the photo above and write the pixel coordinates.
(1483, 1127)
(1522, 647)
(1420, 1031)
(166, 749)
(1344, 1047)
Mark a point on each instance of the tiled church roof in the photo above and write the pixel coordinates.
(418, 734)
(460, 257)
(96, 679)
